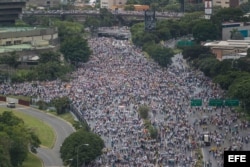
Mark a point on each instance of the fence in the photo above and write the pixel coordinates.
(17, 101)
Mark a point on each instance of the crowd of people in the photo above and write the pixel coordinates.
(116, 81)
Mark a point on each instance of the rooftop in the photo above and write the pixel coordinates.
(21, 47)
(15, 29)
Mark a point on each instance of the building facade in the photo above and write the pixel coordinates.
(10, 11)
(45, 3)
(228, 3)
(27, 38)
(109, 4)
(228, 28)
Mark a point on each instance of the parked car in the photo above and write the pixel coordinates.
(11, 104)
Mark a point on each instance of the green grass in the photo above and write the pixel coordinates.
(44, 132)
(32, 161)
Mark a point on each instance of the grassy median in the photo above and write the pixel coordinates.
(44, 132)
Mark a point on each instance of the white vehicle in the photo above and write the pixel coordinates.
(11, 104)
(206, 139)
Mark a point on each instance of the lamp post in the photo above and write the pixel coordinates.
(78, 152)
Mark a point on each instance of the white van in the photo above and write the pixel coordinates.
(11, 105)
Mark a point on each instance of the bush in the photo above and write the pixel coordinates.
(153, 132)
(146, 123)
(42, 105)
(143, 111)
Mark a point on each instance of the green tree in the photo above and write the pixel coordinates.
(240, 90)
(11, 60)
(153, 132)
(82, 145)
(228, 14)
(15, 140)
(205, 30)
(68, 29)
(4, 150)
(143, 111)
(49, 56)
(75, 50)
(194, 52)
(61, 104)
(226, 80)
(50, 71)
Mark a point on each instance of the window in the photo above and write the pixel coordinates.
(8, 43)
(17, 42)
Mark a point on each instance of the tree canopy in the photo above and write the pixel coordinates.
(15, 140)
(61, 104)
(75, 50)
(84, 145)
(205, 30)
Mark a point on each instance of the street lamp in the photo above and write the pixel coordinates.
(78, 152)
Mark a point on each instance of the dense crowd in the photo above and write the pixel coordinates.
(109, 89)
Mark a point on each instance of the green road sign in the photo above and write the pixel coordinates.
(216, 102)
(232, 102)
(196, 102)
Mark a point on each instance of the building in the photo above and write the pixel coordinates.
(228, 28)
(141, 7)
(27, 41)
(109, 4)
(230, 49)
(228, 3)
(45, 3)
(10, 11)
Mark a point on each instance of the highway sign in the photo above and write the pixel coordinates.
(196, 102)
(231, 102)
(216, 102)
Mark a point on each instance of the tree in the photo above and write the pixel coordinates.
(61, 104)
(205, 30)
(49, 57)
(15, 140)
(68, 29)
(226, 80)
(10, 60)
(4, 150)
(160, 54)
(75, 50)
(228, 14)
(143, 111)
(236, 35)
(82, 145)
(194, 52)
(240, 90)
(50, 71)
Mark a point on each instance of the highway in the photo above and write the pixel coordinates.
(50, 157)
(96, 12)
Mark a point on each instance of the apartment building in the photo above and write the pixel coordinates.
(109, 4)
(10, 11)
(228, 3)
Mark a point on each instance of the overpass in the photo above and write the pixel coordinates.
(82, 15)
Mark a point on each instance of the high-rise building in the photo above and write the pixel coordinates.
(10, 11)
